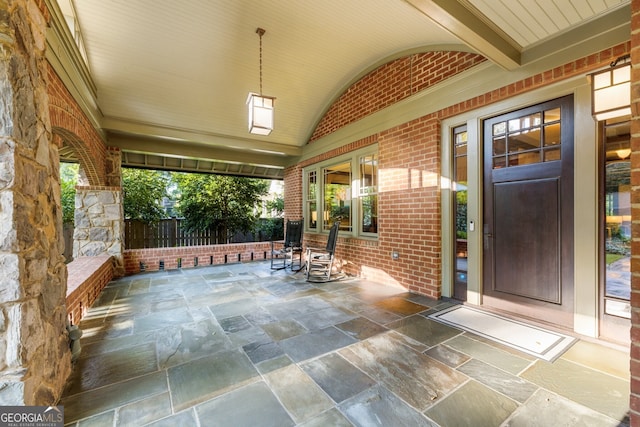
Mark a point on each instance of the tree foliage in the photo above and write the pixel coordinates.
(276, 205)
(143, 193)
(68, 182)
(225, 204)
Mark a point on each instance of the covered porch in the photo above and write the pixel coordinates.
(194, 346)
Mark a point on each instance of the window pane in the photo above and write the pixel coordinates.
(552, 135)
(369, 193)
(499, 162)
(460, 211)
(524, 141)
(499, 128)
(312, 207)
(369, 206)
(337, 196)
(312, 185)
(551, 154)
(368, 174)
(617, 206)
(524, 158)
(499, 146)
(524, 122)
(552, 115)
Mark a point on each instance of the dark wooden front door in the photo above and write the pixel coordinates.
(528, 212)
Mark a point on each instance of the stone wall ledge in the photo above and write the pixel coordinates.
(87, 276)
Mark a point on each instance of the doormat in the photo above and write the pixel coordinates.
(542, 343)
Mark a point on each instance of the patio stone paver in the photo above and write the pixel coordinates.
(510, 385)
(241, 344)
(489, 354)
(416, 378)
(547, 409)
(475, 398)
(103, 369)
(284, 329)
(233, 410)
(426, 331)
(82, 405)
(145, 411)
(315, 343)
(337, 377)
(581, 384)
(376, 406)
(299, 394)
(202, 379)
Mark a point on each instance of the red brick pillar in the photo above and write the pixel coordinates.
(635, 203)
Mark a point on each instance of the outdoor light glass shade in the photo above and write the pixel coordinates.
(260, 114)
(611, 92)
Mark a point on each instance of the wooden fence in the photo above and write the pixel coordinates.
(171, 233)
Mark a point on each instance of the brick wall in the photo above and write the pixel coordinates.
(189, 256)
(409, 165)
(74, 129)
(391, 83)
(87, 276)
(293, 196)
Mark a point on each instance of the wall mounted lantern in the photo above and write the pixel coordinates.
(611, 90)
(260, 106)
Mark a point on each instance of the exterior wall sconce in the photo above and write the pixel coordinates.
(260, 106)
(611, 90)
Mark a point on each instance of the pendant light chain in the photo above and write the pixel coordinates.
(260, 32)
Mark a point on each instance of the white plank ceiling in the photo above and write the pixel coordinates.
(172, 77)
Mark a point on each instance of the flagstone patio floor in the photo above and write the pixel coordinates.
(244, 345)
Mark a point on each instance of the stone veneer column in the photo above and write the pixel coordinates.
(99, 225)
(35, 360)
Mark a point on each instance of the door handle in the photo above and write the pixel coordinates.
(487, 235)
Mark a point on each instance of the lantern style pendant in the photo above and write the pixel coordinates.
(260, 106)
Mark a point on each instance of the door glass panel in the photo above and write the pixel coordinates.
(523, 139)
(552, 115)
(524, 158)
(524, 122)
(617, 217)
(499, 146)
(552, 154)
(552, 135)
(499, 162)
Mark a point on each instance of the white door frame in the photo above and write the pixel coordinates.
(586, 295)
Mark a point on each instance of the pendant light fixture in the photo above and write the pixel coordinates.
(260, 106)
(611, 90)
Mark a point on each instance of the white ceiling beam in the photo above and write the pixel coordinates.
(457, 19)
(146, 145)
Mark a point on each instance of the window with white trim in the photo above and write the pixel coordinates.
(343, 189)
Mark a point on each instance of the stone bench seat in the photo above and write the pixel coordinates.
(87, 276)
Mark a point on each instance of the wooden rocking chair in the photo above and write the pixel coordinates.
(284, 252)
(319, 262)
